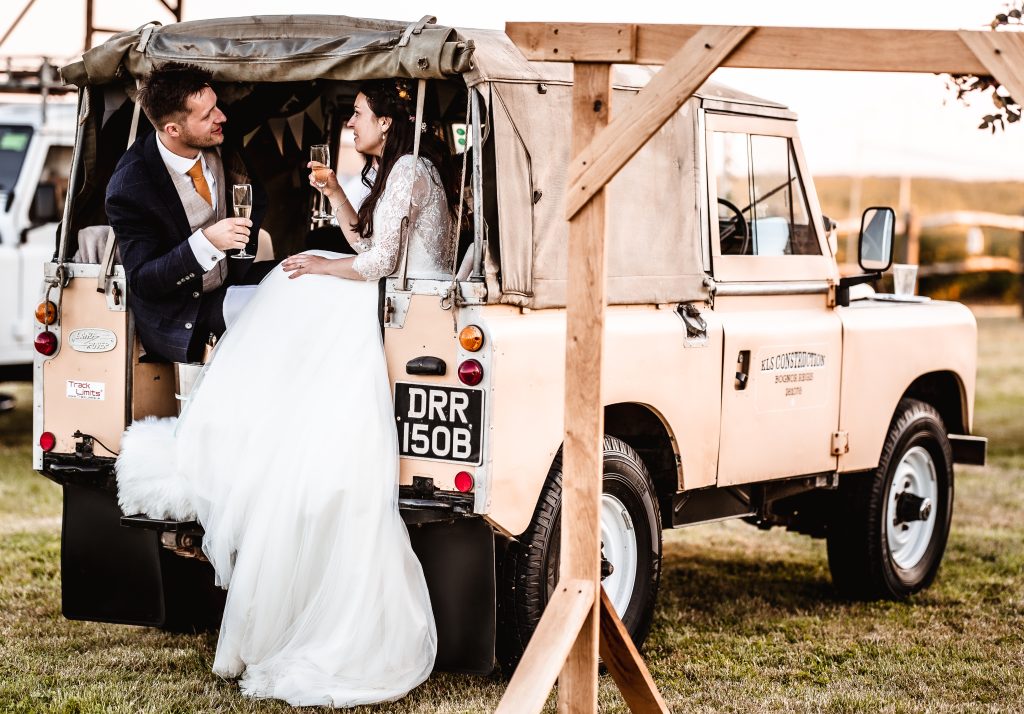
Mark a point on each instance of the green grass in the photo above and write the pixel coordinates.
(746, 620)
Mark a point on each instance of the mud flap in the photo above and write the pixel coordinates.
(458, 562)
(110, 573)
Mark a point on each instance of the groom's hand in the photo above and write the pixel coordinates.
(229, 234)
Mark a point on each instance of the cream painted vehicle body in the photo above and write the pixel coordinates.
(740, 380)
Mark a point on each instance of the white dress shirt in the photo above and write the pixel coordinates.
(205, 252)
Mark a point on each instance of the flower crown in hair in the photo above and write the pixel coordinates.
(402, 90)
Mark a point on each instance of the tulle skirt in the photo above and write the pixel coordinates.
(287, 452)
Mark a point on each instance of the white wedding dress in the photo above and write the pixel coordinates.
(288, 457)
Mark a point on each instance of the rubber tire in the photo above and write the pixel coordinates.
(858, 550)
(529, 569)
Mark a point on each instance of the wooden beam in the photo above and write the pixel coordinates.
(839, 49)
(625, 664)
(1002, 53)
(583, 446)
(617, 143)
(570, 605)
(576, 41)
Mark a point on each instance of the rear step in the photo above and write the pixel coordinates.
(415, 509)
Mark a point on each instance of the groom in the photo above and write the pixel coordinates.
(167, 203)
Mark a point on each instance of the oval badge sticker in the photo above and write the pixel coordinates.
(92, 339)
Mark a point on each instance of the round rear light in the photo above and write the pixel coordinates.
(471, 372)
(464, 481)
(46, 313)
(47, 441)
(46, 343)
(471, 338)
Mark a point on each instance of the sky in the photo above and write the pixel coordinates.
(850, 123)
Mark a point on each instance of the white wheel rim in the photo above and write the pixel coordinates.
(618, 543)
(908, 541)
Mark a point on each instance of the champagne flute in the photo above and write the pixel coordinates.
(242, 195)
(320, 154)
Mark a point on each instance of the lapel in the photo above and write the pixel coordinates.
(164, 187)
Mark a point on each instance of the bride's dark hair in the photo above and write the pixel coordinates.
(396, 99)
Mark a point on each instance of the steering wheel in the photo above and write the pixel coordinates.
(733, 230)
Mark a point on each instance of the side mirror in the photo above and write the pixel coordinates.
(44, 207)
(877, 231)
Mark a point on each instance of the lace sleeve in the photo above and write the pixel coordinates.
(382, 257)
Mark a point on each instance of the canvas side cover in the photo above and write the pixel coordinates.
(654, 252)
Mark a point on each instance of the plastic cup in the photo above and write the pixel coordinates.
(904, 278)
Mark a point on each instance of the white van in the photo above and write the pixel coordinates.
(37, 136)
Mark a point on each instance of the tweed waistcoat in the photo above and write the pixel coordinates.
(201, 215)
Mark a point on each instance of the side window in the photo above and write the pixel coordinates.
(762, 209)
(732, 177)
(53, 186)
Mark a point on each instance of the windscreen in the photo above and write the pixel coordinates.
(13, 147)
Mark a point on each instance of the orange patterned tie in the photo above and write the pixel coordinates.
(202, 188)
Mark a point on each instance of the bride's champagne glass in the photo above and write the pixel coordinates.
(242, 195)
(320, 154)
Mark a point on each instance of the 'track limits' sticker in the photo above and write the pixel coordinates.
(94, 391)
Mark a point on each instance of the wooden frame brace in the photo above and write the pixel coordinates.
(676, 82)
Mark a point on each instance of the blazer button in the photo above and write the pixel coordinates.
(188, 325)
(195, 294)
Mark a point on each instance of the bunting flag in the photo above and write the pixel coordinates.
(295, 122)
(315, 112)
(277, 129)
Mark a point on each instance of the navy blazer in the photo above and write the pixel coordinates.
(165, 280)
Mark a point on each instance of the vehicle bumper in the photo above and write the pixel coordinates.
(969, 449)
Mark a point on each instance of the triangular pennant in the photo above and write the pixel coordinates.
(277, 129)
(295, 122)
(316, 114)
(248, 137)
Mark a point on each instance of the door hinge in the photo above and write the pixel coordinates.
(840, 443)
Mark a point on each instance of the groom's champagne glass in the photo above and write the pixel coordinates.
(242, 195)
(320, 154)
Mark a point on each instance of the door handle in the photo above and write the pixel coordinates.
(742, 370)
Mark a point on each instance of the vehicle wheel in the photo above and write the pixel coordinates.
(631, 545)
(889, 530)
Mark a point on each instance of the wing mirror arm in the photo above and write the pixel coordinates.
(843, 290)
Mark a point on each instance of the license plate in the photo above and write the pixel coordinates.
(439, 423)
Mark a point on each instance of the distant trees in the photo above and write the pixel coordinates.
(1007, 109)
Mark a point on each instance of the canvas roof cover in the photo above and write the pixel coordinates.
(282, 48)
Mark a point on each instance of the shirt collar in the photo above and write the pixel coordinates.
(177, 164)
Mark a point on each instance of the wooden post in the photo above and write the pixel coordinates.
(599, 153)
(912, 247)
(584, 410)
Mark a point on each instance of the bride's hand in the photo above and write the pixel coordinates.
(332, 189)
(305, 264)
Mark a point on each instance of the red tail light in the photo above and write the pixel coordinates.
(47, 441)
(46, 343)
(471, 372)
(464, 481)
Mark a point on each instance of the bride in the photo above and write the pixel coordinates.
(287, 452)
